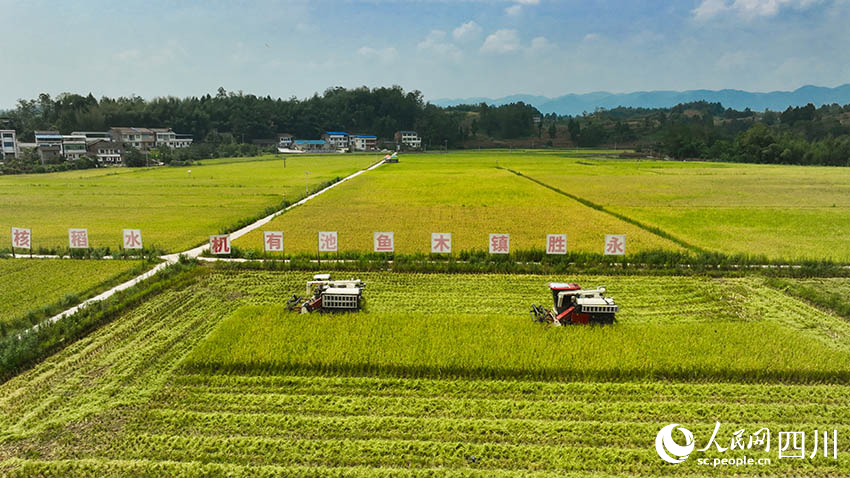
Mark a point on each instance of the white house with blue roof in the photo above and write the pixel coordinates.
(336, 139)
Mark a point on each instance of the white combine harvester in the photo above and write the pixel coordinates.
(326, 295)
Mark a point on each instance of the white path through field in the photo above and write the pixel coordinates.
(197, 251)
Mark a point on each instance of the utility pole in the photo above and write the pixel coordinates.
(306, 187)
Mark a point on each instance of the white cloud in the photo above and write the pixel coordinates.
(386, 55)
(437, 44)
(747, 9)
(502, 41)
(591, 37)
(514, 10)
(539, 43)
(467, 30)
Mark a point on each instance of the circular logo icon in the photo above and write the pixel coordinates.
(668, 449)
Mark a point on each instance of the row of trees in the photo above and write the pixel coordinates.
(378, 111)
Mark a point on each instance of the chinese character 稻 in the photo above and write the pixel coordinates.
(78, 238)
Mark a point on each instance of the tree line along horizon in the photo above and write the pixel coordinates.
(225, 123)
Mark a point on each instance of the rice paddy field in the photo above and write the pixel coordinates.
(462, 194)
(213, 378)
(440, 374)
(176, 208)
(788, 212)
(26, 284)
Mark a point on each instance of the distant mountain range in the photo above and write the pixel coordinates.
(573, 104)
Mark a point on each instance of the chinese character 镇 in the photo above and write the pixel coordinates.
(500, 243)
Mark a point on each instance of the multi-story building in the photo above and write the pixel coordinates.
(73, 146)
(105, 151)
(164, 137)
(142, 139)
(49, 146)
(408, 138)
(182, 140)
(336, 139)
(146, 139)
(361, 142)
(92, 135)
(8, 144)
(284, 140)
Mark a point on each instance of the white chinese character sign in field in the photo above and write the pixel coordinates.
(615, 244)
(328, 242)
(556, 243)
(21, 238)
(384, 242)
(220, 244)
(500, 243)
(132, 238)
(441, 243)
(78, 238)
(273, 241)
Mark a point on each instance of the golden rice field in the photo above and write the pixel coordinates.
(462, 194)
(175, 207)
(211, 378)
(790, 212)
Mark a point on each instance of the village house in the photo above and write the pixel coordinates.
(363, 142)
(408, 138)
(336, 139)
(8, 144)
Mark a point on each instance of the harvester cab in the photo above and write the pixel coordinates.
(326, 295)
(574, 305)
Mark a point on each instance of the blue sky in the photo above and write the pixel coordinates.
(443, 48)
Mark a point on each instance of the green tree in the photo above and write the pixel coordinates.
(134, 158)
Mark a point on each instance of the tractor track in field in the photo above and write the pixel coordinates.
(650, 229)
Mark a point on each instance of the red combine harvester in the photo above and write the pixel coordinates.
(574, 305)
